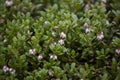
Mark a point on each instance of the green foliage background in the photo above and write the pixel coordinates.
(29, 24)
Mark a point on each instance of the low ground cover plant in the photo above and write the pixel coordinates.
(59, 40)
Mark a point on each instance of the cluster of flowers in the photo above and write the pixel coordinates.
(62, 37)
(88, 29)
(53, 56)
(33, 52)
(7, 69)
(40, 57)
(62, 34)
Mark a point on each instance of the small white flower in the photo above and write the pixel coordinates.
(61, 42)
(50, 72)
(87, 7)
(86, 25)
(9, 3)
(107, 23)
(5, 40)
(40, 57)
(54, 57)
(104, 1)
(81, 79)
(12, 71)
(5, 68)
(62, 35)
(46, 22)
(32, 51)
(87, 30)
(117, 51)
(53, 44)
(53, 34)
(100, 36)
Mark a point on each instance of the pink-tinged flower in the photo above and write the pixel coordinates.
(62, 35)
(100, 36)
(32, 51)
(87, 30)
(40, 57)
(9, 3)
(117, 51)
(50, 72)
(61, 42)
(5, 68)
(54, 57)
(12, 71)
